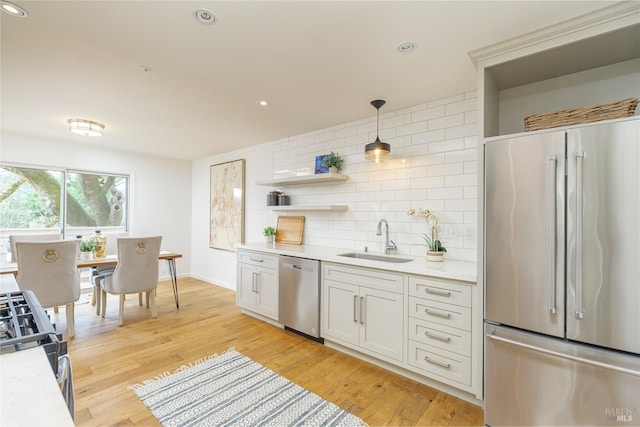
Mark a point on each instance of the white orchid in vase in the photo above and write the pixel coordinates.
(433, 243)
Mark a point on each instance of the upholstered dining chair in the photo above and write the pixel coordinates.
(112, 249)
(136, 272)
(30, 238)
(49, 269)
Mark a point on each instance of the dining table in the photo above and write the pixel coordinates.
(170, 257)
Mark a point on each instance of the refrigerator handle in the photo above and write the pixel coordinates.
(578, 359)
(552, 166)
(577, 302)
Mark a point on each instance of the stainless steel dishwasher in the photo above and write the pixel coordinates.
(299, 292)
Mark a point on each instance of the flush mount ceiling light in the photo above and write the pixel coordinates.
(85, 127)
(377, 151)
(13, 9)
(263, 103)
(405, 47)
(205, 16)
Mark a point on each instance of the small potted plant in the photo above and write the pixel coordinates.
(269, 232)
(86, 249)
(435, 250)
(334, 162)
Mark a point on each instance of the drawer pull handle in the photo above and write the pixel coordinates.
(436, 362)
(437, 314)
(437, 292)
(436, 336)
(256, 259)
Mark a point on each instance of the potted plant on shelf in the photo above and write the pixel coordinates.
(435, 250)
(269, 232)
(333, 162)
(86, 249)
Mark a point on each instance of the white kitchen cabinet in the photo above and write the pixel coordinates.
(364, 309)
(440, 327)
(257, 283)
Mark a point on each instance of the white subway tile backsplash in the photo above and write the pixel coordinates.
(445, 169)
(455, 120)
(448, 145)
(433, 166)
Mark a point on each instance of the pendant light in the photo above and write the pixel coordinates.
(377, 151)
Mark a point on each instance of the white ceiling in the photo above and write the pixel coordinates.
(318, 63)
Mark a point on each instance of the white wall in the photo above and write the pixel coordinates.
(433, 166)
(215, 265)
(160, 187)
(434, 147)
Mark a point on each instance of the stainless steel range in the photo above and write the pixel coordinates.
(25, 324)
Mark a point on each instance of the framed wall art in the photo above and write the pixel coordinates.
(226, 227)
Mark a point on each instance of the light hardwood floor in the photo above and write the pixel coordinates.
(107, 359)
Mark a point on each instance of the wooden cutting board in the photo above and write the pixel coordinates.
(289, 229)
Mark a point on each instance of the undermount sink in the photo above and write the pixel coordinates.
(372, 257)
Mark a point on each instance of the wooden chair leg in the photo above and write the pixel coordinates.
(151, 299)
(121, 316)
(97, 290)
(139, 298)
(70, 309)
(103, 298)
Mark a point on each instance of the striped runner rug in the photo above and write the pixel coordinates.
(232, 390)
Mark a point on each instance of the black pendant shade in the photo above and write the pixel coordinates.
(377, 151)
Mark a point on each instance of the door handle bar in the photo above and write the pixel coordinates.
(565, 356)
(437, 314)
(437, 292)
(355, 303)
(553, 166)
(577, 302)
(362, 310)
(436, 336)
(437, 362)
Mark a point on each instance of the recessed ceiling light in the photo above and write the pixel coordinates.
(205, 16)
(263, 103)
(13, 9)
(406, 47)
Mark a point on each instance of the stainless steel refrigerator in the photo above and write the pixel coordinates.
(562, 277)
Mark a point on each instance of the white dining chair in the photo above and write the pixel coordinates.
(30, 238)
(49, 269)
(135, 272)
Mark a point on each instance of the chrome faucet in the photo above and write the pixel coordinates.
(389, 245)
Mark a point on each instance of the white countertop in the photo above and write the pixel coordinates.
(449, 269)
(30, 393)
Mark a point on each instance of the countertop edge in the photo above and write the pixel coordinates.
(464, 271)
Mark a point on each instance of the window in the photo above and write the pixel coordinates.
(71, 201)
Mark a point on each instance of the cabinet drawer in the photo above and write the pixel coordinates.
(436, 290)
(436, 362)
(440, 336)
(374, 279)
(440, 313)
(259, 259)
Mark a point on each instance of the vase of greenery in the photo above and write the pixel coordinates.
(86, 249)
(269, 232)
(333, 162)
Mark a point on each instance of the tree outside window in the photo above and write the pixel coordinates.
(33, 198)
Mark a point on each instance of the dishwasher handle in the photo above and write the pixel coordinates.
(297, 267)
